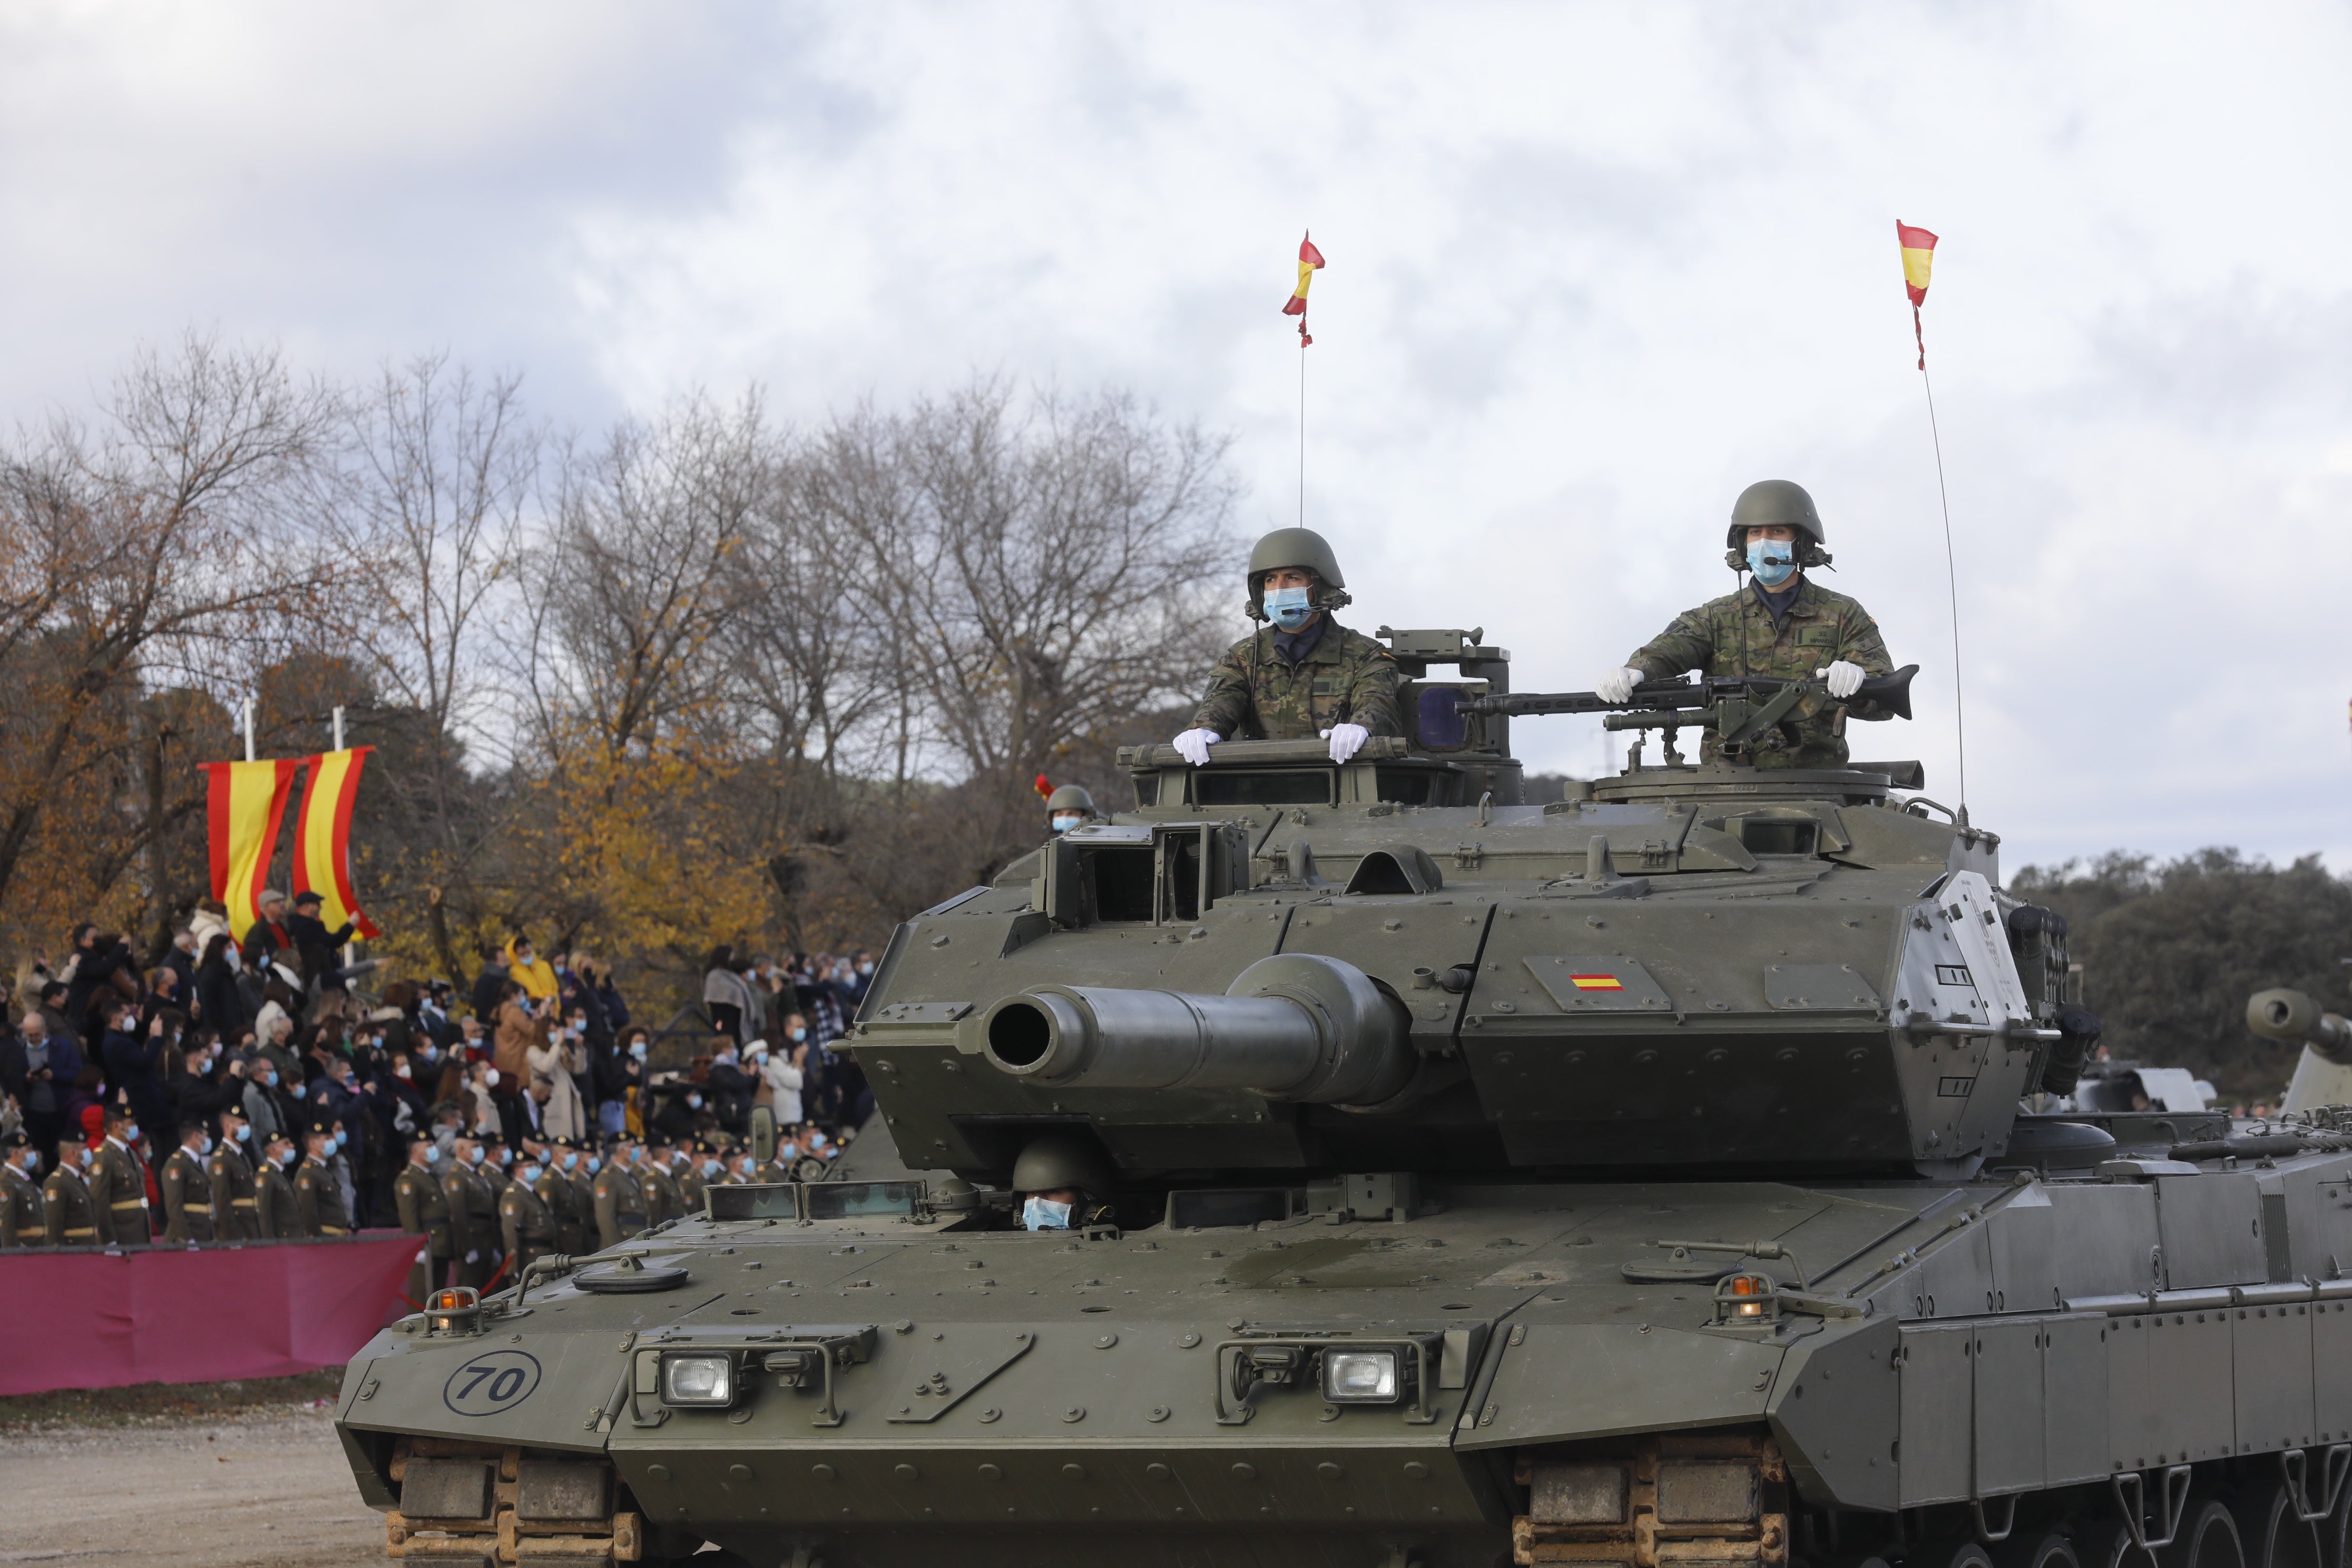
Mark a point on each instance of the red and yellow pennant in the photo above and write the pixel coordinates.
(1309, 261)
(1918, 260)
(322, 837)
(245, 804)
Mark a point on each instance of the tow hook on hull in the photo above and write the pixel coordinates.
(1671, 1500)
(477, 1504)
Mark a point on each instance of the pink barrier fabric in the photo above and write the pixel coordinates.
(90, 1320)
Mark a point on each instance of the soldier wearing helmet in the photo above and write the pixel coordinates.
(1068, 806)
(1063, 1183)
(1778, 623)
(1304, 674)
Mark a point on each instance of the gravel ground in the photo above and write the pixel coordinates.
(262, 1487)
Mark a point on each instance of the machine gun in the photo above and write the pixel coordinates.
(1740, 709)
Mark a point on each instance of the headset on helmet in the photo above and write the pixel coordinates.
(1300, 547)
(1766, 503)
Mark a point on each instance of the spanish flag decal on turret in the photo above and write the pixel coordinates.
(1597, 983)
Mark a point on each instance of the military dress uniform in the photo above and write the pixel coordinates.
(620, 1206)
(691, 1185)
(273, 1202)
(425, 1211)
(1740, 635)
(237, 1197)
(24, 1213)
(663, 1200)
(118, 1187)
(562, 1202)
(187, 1197)
(72, 1213)
(473, 1225)
(584, 1205)
(319, 1199)
(769, 1171)
(525, 1225)
(1254, 693)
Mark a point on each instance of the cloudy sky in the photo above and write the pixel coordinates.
(1592, 269)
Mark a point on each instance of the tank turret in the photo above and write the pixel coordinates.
(1277, 964)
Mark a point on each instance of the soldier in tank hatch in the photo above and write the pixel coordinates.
(1063, 1183)
(1069, 807)
(1780, 622)
(1304, 674)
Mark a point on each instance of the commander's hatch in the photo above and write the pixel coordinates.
(1167, 873)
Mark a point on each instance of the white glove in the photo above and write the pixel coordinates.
(1617, 684)
(1195, 745)
(1345, 739)
(1844, 678)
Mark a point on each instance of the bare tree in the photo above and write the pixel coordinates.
(162, 550)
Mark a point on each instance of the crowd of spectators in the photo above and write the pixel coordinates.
(248, 1087)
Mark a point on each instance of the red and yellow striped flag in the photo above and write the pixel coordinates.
(1919, 258)
(1309, 261)
(322, 837)
(245, 803)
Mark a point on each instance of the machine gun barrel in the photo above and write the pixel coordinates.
(2292, 1015)
(1296, 1027)
(1889, 694)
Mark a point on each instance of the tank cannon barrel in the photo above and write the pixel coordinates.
(2281, 1014)
(1295, 1027)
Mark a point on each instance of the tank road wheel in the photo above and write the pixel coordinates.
(2273, 1536)
(1949, 1554)
(2037, 1552)
(2105, 1543)
(2207, 1539)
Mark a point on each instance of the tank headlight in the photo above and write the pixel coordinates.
(1361, 1377)
(697, 1379)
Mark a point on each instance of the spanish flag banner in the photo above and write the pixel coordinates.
(1309, 261)
(322, 837)
(245, 803)
(1919, 258)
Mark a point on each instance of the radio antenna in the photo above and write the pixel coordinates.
(1918, 246)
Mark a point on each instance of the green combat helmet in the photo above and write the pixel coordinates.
(1768, 503)
(1070, 797)
(1297, 547)
(1056, 1161)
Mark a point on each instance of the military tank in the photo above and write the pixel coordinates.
(1426, 1176)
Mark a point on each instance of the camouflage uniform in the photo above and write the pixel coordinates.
(1256, 694)
(1735, 635)
(23, 1215)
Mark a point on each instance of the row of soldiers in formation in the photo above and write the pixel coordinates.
(481, 1220)
(97, 1195)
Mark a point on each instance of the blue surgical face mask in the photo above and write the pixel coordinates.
(1045, 1213)
(529, 1174)
(1064, 821)
(474, 1154)
(710, 1168)
(694, 1102)
(285, 1157)
(797, 1034)
(594, 1165)
(244, 1133)
(571, 1160)
(1288, 607)
(1772, 560)
(432, 1154)
(638, 1050)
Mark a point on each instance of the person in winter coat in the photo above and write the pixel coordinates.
(526, 969)
(220, 1006)
(561, 1116)
(726, 997)
(785, 1076)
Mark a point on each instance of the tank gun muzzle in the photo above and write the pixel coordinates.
(1295, 1027)
(2281, 1014)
